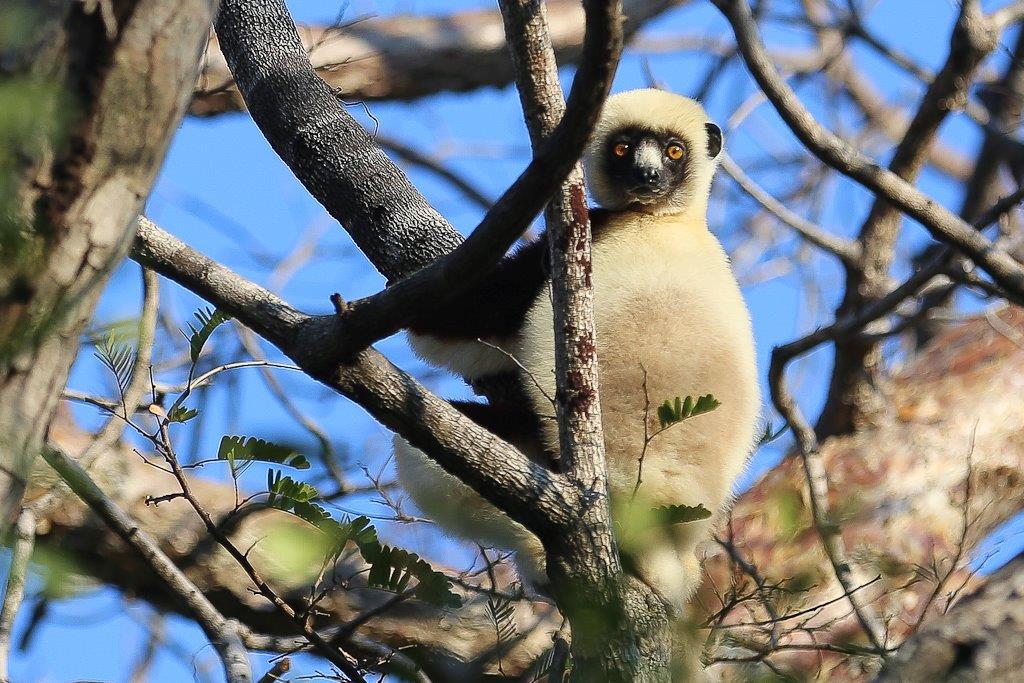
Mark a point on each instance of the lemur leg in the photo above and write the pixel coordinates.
(462, 512)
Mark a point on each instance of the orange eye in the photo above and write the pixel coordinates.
(674, 152)
(620, 149)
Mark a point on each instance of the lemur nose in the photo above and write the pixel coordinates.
(650, 175)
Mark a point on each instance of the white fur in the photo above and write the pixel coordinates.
(461, 511)
(665, 302)
(469, 359)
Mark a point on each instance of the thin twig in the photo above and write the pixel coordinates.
(332, 653)
(845, 250)
(14, 590)
(222, 632)
(940, 221)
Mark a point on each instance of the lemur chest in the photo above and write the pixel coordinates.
(656, 293)
(670, 321)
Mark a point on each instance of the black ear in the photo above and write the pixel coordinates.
(714, 139)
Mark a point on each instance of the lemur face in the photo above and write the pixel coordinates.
(653, 152)
(645, 165)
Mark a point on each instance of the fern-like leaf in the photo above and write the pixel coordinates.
(503, 614)
(679, 409)
(209, 320)
(181, 414)
(235, 448)
(119, 359)
(542, 666)
(667, 515)
(770, 434)
(391, 569)
(294, 496)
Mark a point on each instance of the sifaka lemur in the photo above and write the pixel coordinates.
(670, 321)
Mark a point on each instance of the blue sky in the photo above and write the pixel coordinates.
(226, 193)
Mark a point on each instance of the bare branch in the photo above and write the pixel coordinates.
(851, 398)
(111, 430)
(1005, 16)
(14, 588)
(807, 440)
(330, 651)
(492, 467)
(585, 561)
(367, 181)
(411, 56)
(323, 145)
(979, 639)
(223, 633)
(942, 223)
(845, 250)
(412, 155)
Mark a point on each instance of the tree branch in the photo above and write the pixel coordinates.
(979, 639)
(323, 145)
(529, 493)
(806, 438)
(846, 251)
(384, 313)
(942, 223)
(223, 633)
(14, 588)
(411, 56)
(852, 398)
(586, 561)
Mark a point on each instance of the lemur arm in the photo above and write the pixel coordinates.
(517, 424)
(497, 305)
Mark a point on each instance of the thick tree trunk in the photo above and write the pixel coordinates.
(107, 83)
(904, 504)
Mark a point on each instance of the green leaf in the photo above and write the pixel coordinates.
(119, 359)
(209, 320)
(234, 448)
(679, 409)
(290, 490)
(182, 414)
(770, 435)
(125, 331)
(543, 665)
(391, 569)
(667, 515)
(704, 404)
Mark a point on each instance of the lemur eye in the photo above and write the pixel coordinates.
(674, 152)
(620, 149)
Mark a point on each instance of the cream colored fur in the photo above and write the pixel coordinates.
(469, 359)
(667, 308)
(665, 302)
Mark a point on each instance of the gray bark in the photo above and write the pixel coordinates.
(630, 640)
(413, 56)
(329, 152)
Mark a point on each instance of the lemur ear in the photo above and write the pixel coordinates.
(714, 139)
